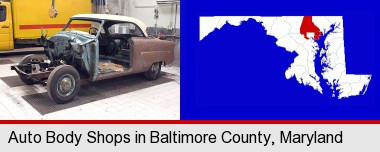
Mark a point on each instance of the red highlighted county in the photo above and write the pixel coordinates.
(308, 26)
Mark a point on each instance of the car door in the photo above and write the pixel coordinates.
(4, 28)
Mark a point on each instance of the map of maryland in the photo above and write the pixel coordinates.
(319, 43)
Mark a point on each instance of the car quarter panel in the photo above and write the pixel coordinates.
(147, 51)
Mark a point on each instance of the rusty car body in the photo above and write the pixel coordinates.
(104, 52)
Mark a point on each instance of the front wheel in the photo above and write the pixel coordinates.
(25, 60)
(29, 58)
(63, 84)
(154, 71)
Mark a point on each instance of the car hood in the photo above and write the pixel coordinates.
(79, 37)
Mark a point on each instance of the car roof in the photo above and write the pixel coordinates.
(109, 17)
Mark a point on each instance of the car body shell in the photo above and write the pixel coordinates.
(76, 55)
(81, 49)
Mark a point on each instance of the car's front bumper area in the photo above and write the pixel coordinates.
(27, 71)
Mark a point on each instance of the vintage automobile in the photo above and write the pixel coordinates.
(114, 46)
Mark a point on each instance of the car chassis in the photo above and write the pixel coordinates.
(76, 55)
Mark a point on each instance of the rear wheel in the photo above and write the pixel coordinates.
(154, 71)
(25, 60)
(63, 84)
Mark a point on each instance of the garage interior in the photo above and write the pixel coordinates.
(123, 98)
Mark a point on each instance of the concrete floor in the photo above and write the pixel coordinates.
(160, 102)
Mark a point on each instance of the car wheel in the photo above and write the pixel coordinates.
(30, 58)
(26, 60)
(154, 71)
(63, 84)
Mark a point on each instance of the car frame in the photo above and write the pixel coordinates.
(75, 55)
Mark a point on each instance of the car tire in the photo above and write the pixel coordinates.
(154, 71)
(31, 57)
(63, 84)
(25, 60)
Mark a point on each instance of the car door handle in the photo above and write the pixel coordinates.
(5, 26)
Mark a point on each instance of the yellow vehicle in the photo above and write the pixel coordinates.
(21, 21)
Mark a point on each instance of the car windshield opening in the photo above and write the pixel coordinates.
(83, 25)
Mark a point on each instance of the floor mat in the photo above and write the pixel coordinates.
(13, 81)
(93, 92)
(5, 61)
